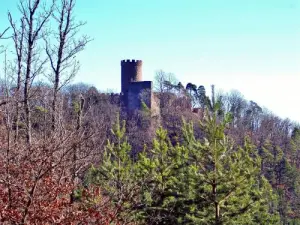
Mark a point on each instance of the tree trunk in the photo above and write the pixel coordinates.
(216, 204)
(26, 98)
(17, 120)
(27, 81)
(217, 215)
(54, 106)
(56, 85)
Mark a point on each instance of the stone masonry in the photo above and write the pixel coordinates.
(133, 89)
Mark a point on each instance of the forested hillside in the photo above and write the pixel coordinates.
(71, 154)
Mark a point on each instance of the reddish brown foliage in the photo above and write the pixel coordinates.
(36, 187)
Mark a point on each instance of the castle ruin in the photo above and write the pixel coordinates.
(134, 91)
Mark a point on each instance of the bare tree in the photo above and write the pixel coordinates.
(6, 111)
(35, 14)
(235, 103)
(163, 81)
(18, 40)
(62, 53)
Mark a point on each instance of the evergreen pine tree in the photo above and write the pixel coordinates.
(230, 188)
(116, 174)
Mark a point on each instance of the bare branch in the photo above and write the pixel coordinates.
(3, 33)
(62, 51)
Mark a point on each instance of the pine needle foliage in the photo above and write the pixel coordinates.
(228, 177)
(116, 174)
(209, 181)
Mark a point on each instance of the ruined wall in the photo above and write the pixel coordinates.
(138, 92)
(131, 71)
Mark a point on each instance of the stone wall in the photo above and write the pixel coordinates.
(138, 92)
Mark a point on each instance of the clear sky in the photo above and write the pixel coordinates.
(249, 45)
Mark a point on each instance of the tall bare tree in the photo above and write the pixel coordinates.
(35, 14)
(18, 40)
(163, 81)
(62, 53)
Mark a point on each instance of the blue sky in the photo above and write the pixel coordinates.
(249, 45)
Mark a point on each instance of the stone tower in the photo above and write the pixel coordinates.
(131, 71)
(134, 91)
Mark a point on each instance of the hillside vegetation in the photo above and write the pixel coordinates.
(70, 154)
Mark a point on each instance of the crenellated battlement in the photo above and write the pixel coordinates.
(131, 62)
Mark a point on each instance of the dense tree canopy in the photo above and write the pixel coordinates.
(207, 181)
